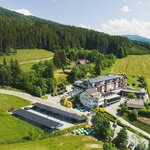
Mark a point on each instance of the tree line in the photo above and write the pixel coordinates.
(97, 63)
(18, 31)
(40, 79)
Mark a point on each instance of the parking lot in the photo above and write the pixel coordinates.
(66, 124)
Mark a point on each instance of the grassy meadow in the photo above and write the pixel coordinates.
(134, 65)
(9, 101)
(13, 129)
(25, 55)
(65, 142)
(27, 67)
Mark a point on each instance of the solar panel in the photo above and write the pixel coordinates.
(60, 112)
(38, 119)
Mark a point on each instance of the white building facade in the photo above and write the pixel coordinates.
(98, 92)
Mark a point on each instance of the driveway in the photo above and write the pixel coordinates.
(132, 137)
(112, 109)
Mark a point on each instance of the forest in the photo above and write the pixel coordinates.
(19, 31)
(41, 80)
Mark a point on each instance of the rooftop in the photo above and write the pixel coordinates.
(37, 119)
(134, 91)
(104, 78)
(60, 112)
(135, 103)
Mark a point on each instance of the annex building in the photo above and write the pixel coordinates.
(48, 117)
(99, 92)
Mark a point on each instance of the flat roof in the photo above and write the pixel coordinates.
(37, 119)
(133, 91)
(60, 112)
(135, 103)
(112, 96)
(104, 78)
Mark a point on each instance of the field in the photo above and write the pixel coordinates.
(138, 124)
(133, 66)
(66, 142)
(13, 129)
(28, 55)
(8, 101)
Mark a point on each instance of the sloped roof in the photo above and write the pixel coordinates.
(60, 112)
(37, 119)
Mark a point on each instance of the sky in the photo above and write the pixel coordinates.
(116, 17)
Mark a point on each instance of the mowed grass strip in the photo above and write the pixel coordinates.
(134, 65)
(24, 55)
(66, 142)
(12, 129)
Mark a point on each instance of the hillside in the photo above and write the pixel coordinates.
(26, 56)
(134, 66)
(8, 13)
(19, 31)
(137, 38)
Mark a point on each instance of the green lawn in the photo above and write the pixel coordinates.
(24, 55)
(66, 142)
(133, 82)
(133, 65)
(13, 129)
(27, 67)
(9, 101)
(138, 124)
(12, 89)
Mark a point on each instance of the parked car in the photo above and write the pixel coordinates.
(88, 114)
(140, 147)
(131, 145)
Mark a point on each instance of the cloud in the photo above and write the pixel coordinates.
(23, 11)
(85, 26)
(140, 2)
(123, 26)
(125, 9)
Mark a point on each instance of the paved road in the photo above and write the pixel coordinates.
(34, 99)
(112, 109)
(132, 137)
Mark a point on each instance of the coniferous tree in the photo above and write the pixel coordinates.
(102, 126)
(121, 139)
(98, 65)
(4, 62)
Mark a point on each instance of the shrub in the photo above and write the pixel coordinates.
(109, 146)
(67, 130)
(133, 115)
(144, 113)
(131, 96)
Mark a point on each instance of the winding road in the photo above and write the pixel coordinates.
(112, 109)
(53, 101)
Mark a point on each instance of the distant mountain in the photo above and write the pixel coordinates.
(137, 38)
(19, 31)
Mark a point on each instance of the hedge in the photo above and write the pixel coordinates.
(144, 113)
(67, 130)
